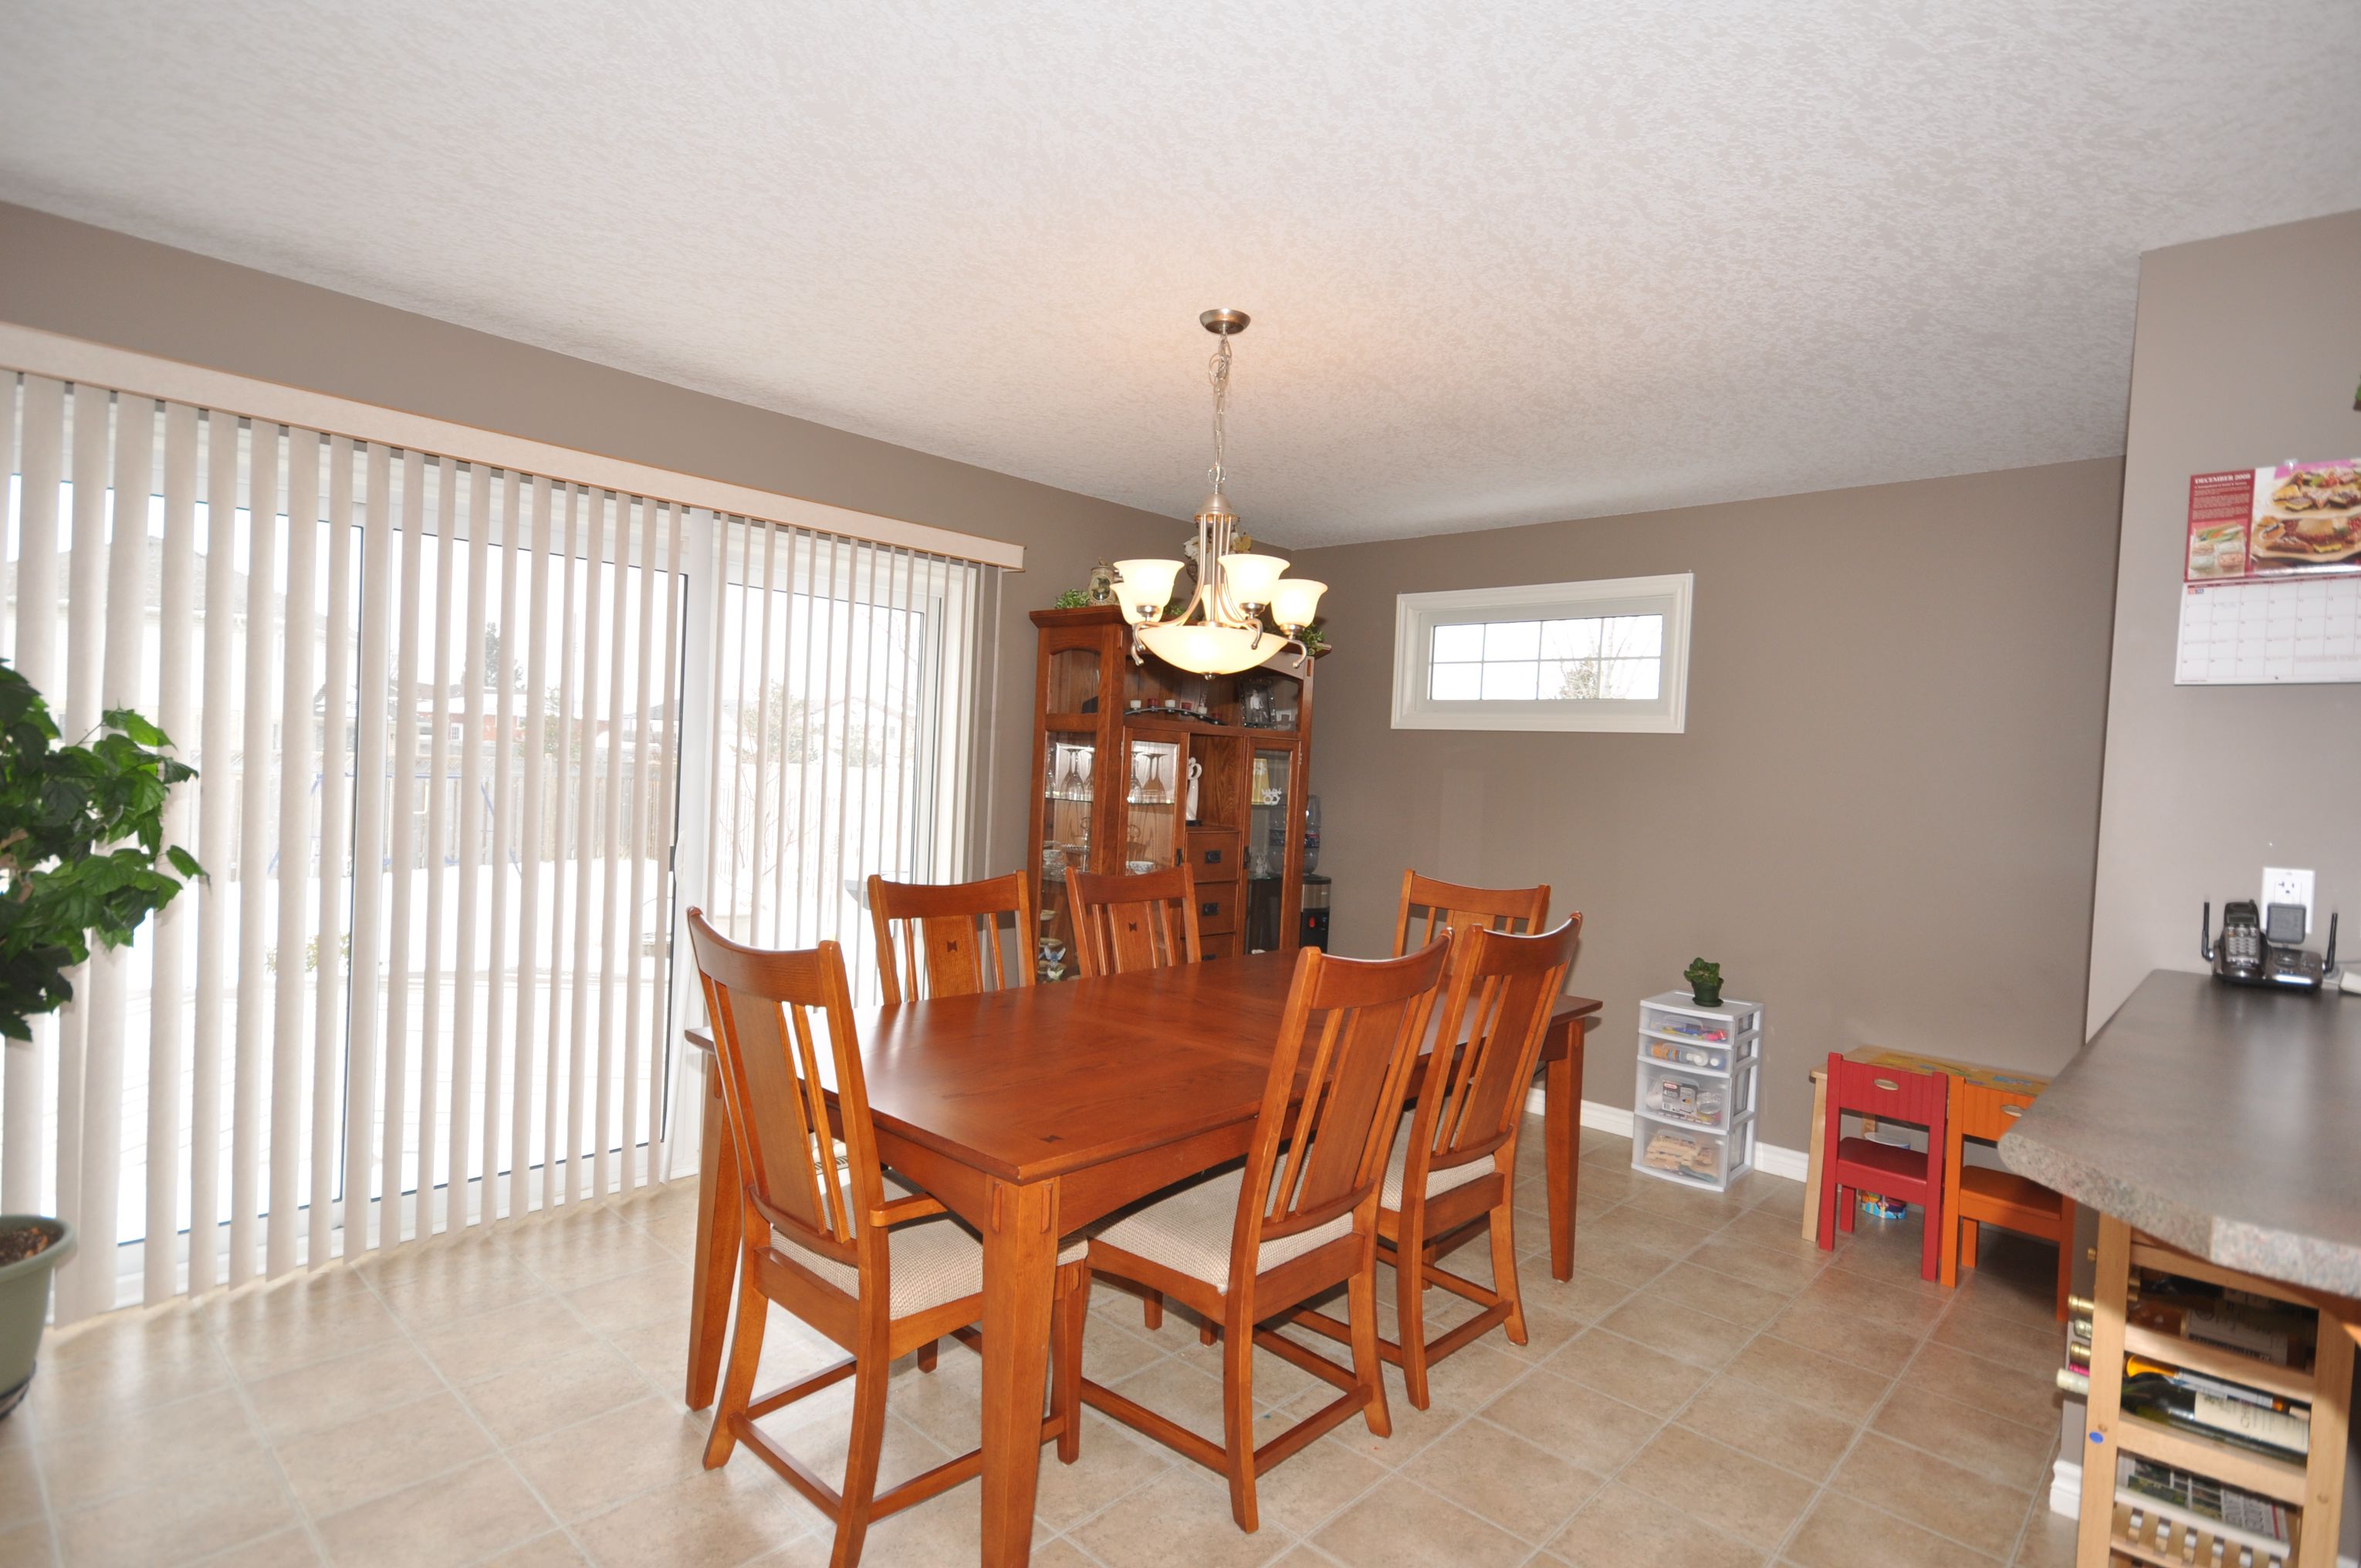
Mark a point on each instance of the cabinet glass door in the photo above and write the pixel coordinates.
(1153, 798)
(1068, 788)
(1270, 815)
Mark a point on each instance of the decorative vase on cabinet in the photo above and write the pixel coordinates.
(1138, 766)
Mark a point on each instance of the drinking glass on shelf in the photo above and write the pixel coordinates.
(1158, 791)
(1071, 783)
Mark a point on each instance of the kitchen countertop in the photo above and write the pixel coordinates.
(2223, 1120)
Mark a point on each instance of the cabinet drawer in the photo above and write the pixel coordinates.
(1213, 853)
(1222, 946)
(1216, 907)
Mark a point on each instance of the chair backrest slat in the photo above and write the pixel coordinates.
(1448, 905)
(774, 1086)
(1333, 1102)
(1128, 923)
(950, 935)
(1497, 1012)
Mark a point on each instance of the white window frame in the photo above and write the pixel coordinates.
(1417, 615)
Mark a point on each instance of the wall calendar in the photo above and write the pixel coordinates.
(2271, 586)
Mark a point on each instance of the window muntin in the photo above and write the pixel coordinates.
(1617, 657)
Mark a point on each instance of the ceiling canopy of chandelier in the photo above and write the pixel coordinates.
(1221, 629)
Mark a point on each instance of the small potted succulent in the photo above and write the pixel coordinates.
(1704, 983)
(81, 855)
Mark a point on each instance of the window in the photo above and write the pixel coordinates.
(1606, 655)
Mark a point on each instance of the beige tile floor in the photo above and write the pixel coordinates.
(1707, 1390)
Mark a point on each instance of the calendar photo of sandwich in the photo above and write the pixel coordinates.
(2307, 515)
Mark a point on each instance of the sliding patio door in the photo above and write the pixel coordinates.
(468, 739)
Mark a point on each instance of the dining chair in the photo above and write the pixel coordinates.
(1454, 1177)
(1301, 1218)
(1123, 922)
(1850, 1166)
(1984, 1195)
(951, 934)
(875, 1267)
(1448, 905)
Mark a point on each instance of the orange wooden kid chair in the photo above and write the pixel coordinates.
(1453, 1177)
(1245, 1248)
(950, 934)
(1449, 905)
(877, 1268)
(1126, 923)
(1852, 1164)
(1981, 1196)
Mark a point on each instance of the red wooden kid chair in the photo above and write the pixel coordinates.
(1889, 1094)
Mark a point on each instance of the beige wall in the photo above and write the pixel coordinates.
(93, 283)
(1882, 816)
(2247, 353)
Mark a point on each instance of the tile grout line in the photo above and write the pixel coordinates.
(1867, 1423)
(1824, 1485)
(549, 1219)
(497, 1447)
(304, 1519)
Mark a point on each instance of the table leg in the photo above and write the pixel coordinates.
(1812, 1161)
(1020, 1267)
(720, 1219)
(1561, 1118)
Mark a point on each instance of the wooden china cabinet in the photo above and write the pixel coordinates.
(1114, 744)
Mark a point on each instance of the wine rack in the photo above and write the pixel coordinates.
(2119, 1526)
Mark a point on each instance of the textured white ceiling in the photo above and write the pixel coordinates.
(1508, 262)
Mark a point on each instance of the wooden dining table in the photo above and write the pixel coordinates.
(1031, 1112)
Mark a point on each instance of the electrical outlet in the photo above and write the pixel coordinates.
(2284, 886)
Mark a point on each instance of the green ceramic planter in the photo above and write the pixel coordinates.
(25, 1304)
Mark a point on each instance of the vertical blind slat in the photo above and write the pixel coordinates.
(106, 979)
(618, 635)
(503, 807)
(372, 736)
(294, 755)
(85, 626)
(659, 1035)
(443, 527)
(529, 963)
(586, 806)
(470, 845)
(335, 834)
(553, 1125)
(167, 1021)
(780, 900)
(442, 530)
(637, 837)
(42, 466)
(217, 794)
(754, 930)
(403, 811)
(245, 1125)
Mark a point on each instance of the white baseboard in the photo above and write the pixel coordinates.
(1769, 1159)
(2066, 1487)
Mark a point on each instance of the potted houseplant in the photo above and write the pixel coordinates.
(1704, 983)
(81, 855)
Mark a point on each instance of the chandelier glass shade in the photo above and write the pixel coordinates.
(1221, 628)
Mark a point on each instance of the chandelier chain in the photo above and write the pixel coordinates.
(1218, 370)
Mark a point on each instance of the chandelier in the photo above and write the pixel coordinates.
(1220, 630)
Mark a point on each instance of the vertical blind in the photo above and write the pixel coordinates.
(444, 716)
